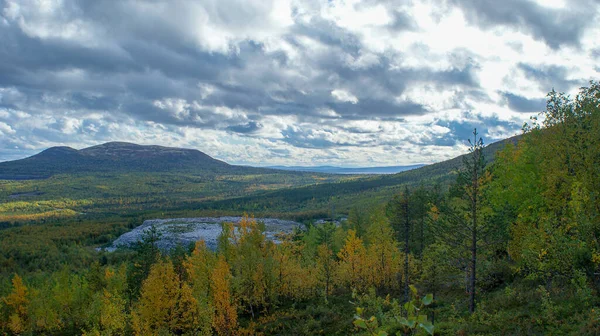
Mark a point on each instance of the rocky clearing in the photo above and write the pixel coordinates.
(185, 231)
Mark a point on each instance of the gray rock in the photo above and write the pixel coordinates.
(185, 231)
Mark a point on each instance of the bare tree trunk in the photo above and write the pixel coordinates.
(434, 292)
(327, 279)
(406, 247)
(468, 279)
(473, 264)
(422, 235)
(474, 195)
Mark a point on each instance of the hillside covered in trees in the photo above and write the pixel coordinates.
(502, 247)
(119, 157)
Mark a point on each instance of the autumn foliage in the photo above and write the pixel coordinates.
(509, 248)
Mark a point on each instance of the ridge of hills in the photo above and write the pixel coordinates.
(117, 157)
(129, 157)
(123, 157)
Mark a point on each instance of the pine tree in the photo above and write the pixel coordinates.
(421, 206)
(473, 176)
(400, 210)
(147, 254)
(358, 220)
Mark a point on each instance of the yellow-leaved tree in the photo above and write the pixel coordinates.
(252, 266)
(166, 305)
(199, 268)
(293, 280)
(108, 312)
(17, 302)
(383, 253)
(225, 317)
(353, 269)
(325, 269)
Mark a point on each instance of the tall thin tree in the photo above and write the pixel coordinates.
(406, 209)
(474, 165)
(400, 211)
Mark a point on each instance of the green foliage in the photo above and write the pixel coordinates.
(412, 320)
(358, 220)
(549, 184)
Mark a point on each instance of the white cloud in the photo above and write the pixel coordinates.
(50, 19)
(344, 96)
(71, 125)
(348, 82)
(6, 129)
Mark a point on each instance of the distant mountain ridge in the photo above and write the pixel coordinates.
(120, 157)
(344, 170)
(114, 157)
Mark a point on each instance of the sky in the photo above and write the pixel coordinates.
(287, 82)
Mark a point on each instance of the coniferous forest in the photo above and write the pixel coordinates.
(505, 244)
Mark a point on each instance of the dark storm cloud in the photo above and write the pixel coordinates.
(522, 104)
(402, 21)
(395, 80)
(378, 108)
(248, 128)
(306, 139)
(146, 63)
(322, 139)
(556, 27)
(490, 129)
(326, 32)
(550, 77)
(105, 103)
(179, 64)
(186, 115)
(463, 130)
(280, 152)
(21, 52)
(444, 140)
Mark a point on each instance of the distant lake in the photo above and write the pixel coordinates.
(349, 171)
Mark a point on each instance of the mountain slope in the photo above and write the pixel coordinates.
(317, 197)
(115, 157)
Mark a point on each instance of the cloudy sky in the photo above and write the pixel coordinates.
(298, 82)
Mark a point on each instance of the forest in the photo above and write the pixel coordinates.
(507, 246)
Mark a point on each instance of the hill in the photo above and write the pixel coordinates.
(117, 157)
